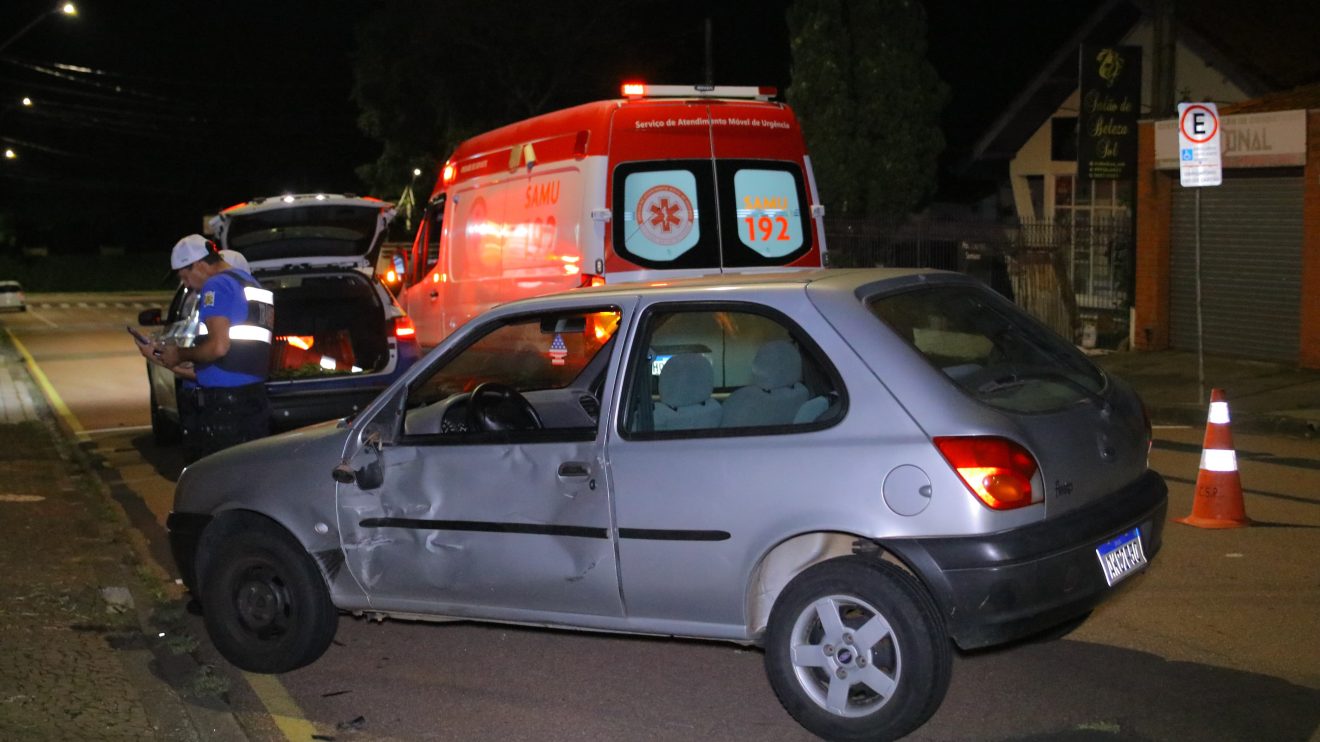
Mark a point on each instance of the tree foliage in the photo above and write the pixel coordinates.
(430, 73)
(869, 102)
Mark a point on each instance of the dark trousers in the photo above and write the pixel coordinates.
(216, 418)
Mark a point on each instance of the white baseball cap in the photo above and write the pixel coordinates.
(189, 250)
(236, 260)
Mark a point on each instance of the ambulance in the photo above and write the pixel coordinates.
(666, 182)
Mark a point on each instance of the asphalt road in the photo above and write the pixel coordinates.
(1218, 641)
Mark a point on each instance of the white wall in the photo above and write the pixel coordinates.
(1192, 76)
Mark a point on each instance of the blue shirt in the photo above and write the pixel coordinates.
(222, 296)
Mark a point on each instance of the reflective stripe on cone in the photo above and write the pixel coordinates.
(1218, 502)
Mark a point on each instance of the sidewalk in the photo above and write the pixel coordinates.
(1262, 397)
(90, 642)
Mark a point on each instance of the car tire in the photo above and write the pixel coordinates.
(856, 649)
(164, 431)
(265, 602)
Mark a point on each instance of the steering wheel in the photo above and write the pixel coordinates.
(497, 407)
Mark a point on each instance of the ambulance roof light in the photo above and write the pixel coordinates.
(642, 90)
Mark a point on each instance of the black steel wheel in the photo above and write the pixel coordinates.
(856, 650)
(266, 605)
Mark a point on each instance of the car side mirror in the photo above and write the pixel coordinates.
(150, 317)
(368, 477)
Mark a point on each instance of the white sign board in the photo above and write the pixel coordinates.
(1274, 139)
(1199, 162)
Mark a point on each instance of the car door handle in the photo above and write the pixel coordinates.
(573, 469)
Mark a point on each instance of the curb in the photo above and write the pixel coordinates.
(1194, 416)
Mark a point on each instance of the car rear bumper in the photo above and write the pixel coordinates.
(294, 409)
(1000, 587)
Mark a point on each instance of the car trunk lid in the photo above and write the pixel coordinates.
(316, 230)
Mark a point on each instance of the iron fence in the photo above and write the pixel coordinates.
(1073, 277)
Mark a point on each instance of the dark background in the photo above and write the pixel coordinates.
(150, 114)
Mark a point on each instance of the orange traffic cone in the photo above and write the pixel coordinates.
(1218, 502)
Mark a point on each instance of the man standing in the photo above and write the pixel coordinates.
(231, 358)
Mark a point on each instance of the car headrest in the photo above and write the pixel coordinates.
(686, 379)
(777, 364)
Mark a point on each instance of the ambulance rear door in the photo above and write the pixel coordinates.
(664, 216)
(763, 188)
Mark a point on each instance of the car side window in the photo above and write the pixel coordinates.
(726, 371)
(533, 373)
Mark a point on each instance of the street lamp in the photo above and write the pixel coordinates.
(10, 154)
(68, 9)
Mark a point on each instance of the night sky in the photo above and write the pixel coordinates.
(150, 113)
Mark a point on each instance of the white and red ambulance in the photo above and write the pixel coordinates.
(668, 181)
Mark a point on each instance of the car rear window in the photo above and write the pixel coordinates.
(10, 288)
(990, 348)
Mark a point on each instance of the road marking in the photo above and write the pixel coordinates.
(47, 388)
(282, 708)
(42, 317)
(121, 429)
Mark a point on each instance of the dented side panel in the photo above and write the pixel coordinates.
(488, 526)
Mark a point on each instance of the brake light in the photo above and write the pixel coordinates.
(404, 328)
(589, 279)
(996, 470)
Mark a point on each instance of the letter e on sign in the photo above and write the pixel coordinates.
(1199, 159)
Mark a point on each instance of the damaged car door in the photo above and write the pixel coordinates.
(481, 491)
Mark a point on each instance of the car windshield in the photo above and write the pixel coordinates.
(528, 355)
(989, 348)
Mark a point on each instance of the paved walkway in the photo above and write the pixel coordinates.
(88, 651)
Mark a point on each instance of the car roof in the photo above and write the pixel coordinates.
(835, 280)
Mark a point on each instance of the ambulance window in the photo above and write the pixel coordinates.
(769, 215)
(664, 214)
(435, 216)
(763, 204)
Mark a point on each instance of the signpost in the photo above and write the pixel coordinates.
(1199, 164)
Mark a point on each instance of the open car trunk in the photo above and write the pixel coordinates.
(326, 324)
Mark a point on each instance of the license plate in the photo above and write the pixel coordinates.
(1121, 556)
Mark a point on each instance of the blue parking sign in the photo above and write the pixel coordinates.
(1187, 154)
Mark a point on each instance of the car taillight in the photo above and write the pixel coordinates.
(996, 470)
(589, 279)
(403, 328)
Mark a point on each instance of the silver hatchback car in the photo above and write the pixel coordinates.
(854, 469)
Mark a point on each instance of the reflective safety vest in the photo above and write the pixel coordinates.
(249, 341)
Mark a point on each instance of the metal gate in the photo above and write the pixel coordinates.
(1251, 258)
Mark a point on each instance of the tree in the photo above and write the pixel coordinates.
(430, 73)
(869, 103)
